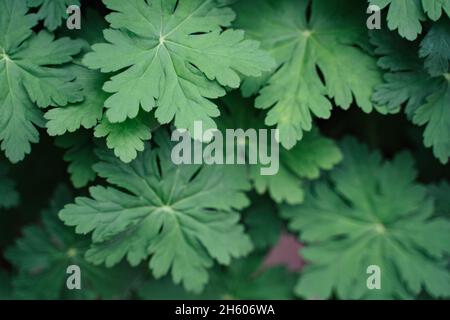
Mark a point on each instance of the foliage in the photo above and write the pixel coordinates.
(183, 216)
(371, 212)
(306, 48)
(423, 85)
(363, 121)
(181, 58)
(406, 15)
(44, 252)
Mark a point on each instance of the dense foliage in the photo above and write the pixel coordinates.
(86, 176)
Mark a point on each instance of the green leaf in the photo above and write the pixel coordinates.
(407, 15)
(305, 161)
(126, 138)
(371, 212)
(44, 252)
(87, 113)
(404, 15)
(84, 114)
(435, 47)
(53, 12)
(314, 55)
(174, 57)
(180, 216)
(29, 75)
(9, 197)
(80, 155)
(435, 114)
(427, 98)
(435, 8)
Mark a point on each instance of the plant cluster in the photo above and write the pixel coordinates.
(86, 176)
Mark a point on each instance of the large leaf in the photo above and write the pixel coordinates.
(29, 75)
(173, 56)
(320, 57)
(305, 161)
(371, 212)
(180, 216)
